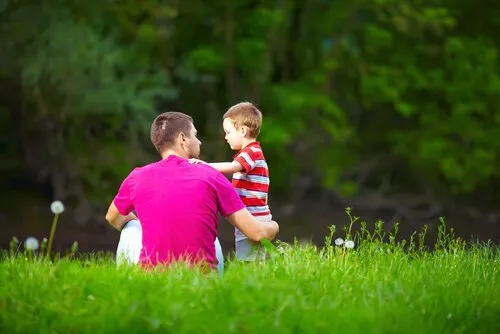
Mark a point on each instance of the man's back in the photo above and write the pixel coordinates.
(177, 204)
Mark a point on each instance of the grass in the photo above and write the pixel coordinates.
(380, 286)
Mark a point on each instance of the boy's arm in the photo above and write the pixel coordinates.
(227, 167)
(223, 167)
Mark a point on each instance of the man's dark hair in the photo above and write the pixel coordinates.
(167, 126)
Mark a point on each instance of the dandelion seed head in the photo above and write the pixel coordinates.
(339, 241)
(349, 244)
(57, 207)
(74, 247)
(31, 243)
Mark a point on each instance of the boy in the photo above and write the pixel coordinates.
(242, 124)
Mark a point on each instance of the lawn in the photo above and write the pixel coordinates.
(379, 286)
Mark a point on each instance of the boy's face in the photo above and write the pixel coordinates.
(234, 137)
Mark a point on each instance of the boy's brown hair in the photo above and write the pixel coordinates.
(167, 126)
(245, 114)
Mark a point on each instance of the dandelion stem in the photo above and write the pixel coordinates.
(52, 232)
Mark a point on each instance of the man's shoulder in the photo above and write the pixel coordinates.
(200, 171)
(206, 170)
(138, 171)
(210, 176)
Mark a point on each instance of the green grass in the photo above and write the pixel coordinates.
(378, 287)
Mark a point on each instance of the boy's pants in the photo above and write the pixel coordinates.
(247, 250)
(130, 245)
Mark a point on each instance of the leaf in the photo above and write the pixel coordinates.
(268, 246)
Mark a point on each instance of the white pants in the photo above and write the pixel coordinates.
(247, 250)
(130, 245)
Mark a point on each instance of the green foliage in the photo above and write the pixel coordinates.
(82, 79)
(93, 74)
(431, 92)
(340, 83)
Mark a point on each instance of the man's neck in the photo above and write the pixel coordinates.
(168, 153)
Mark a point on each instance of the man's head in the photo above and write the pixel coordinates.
(241, 121)
(174, 131)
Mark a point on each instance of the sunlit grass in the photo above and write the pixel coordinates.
(377, 287)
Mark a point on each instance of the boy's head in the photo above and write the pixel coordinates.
(241, 123)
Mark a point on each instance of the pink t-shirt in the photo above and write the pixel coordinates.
(178, 205)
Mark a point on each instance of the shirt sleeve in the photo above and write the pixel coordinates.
(228, 200)
(123, 199)
(246, 158)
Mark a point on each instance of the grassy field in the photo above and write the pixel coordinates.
(376, 287)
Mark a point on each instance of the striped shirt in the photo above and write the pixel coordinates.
(252, 183)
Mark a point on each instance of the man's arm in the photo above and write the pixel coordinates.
(251, 227)
(116, 219)
(121, 207)
(231, 206)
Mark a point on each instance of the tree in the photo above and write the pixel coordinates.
(362, 99)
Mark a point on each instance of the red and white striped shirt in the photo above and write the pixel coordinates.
(252, 183)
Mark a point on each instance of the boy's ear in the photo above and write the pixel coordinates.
(244, 131)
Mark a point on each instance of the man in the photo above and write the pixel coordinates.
(178, 202)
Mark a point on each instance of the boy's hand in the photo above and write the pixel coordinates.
(196, 161)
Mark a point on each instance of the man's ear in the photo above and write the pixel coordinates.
(181, 137)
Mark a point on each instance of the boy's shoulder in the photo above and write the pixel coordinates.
(254, 149)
